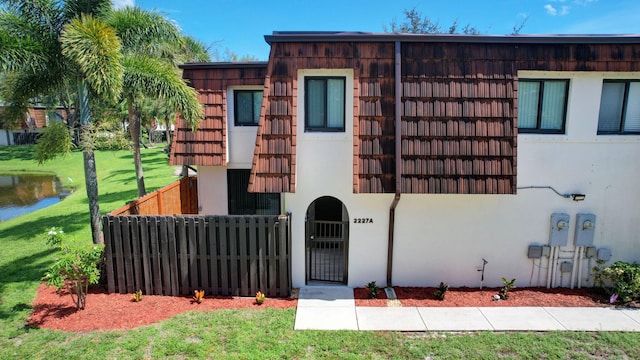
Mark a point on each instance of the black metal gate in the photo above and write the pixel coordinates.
(327, 244)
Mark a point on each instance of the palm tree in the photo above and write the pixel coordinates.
(151, 46)
(48, 46)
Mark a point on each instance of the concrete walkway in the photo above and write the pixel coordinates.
(333, 308)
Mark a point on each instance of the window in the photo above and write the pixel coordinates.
(542, 106)
(324, 103)
(619, 108)
(242, 202)
(247, 107)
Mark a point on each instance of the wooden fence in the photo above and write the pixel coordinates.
(180, 197)
(175, 255)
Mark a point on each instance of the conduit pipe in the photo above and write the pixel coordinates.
(574, 271)
(580, 257)
(549, 266)
(398, 158)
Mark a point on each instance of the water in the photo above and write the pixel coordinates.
(25, 193)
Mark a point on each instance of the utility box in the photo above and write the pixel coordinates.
(590, 252)
(534, 252)
(585, 229)
(559, 233)
(566, 267)
(604, 254)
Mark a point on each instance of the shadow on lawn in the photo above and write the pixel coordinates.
(20, 152)
(22, 271)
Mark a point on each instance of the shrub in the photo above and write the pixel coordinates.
(75, 268)
(440, 293)
(508, 285)
(373, 290)
(622, 279)
(198, 296)
(260, 297)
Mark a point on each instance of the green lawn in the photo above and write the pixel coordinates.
(248, 334)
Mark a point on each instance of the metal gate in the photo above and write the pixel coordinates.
(327, 244)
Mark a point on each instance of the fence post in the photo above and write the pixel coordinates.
(108, 262)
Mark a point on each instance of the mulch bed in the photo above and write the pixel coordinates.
(473, 297)
(55, 310)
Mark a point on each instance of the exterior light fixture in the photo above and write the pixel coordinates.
(578, 197)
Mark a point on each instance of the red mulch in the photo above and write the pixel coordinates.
(473, 297)
(103, 311)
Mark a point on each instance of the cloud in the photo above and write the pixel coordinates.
(564, 10)
(119, 4)
(551, 10)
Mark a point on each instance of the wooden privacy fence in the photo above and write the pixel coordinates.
(175, 255)
(180, 197)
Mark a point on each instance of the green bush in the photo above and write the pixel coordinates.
(622, 279)
(75, 267)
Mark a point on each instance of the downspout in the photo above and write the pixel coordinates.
(398, 158)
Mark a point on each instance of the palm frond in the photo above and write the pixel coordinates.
(95, 48)
(139, 29)
(159, 79)
(26, 42)
(96, 8)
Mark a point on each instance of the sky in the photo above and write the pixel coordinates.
(240, 25)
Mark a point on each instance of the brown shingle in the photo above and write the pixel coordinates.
(207, 145)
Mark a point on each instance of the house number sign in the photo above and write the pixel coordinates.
(363, 221)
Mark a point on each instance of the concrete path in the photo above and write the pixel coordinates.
(333, 308)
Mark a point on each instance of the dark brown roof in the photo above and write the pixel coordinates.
(351, 36)
(207, 145)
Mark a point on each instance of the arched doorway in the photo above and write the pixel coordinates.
(327, 239)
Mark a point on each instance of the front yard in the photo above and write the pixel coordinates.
(240, 333)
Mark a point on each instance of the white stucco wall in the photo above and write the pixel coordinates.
(6, 137)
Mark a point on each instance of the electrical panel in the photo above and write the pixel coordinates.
(546, 250)
(566, 267)
(534, 252)
(604, 254)
(559, 233)
(590, 252)
(585, 229)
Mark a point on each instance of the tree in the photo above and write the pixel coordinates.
(152, 45)
(48, 47)
(415, 23)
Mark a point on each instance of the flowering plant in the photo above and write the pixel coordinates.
(137, 296)
(75, 267)
(198, 296)
(260, 297)
(54, 236)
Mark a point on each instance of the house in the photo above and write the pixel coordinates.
(414, 159)
(26, 131)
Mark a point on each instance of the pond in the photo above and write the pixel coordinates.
(23, 193)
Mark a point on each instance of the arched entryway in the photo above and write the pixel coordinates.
(327, 239)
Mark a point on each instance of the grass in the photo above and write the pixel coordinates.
(224, 334)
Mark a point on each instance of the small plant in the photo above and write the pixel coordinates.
(136, 296)
(620, 279)
(373, 290)
(198, 296)
(508, 285)
(260, 297)
(440, 293)
(75, 268)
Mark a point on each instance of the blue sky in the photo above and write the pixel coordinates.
(240, 25)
